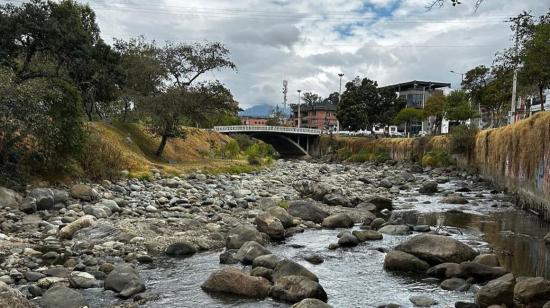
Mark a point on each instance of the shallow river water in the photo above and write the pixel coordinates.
(355, 277)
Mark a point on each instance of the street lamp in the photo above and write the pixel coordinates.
(339, 98)
(299, 114)
(461, 76)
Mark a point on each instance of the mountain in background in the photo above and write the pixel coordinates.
(263, 110)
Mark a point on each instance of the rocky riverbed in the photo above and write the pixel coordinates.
(355, 235)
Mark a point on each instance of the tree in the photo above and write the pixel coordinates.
(186, 62)
(475, 80)
(332, 99)
(276, 117)
(310, 98)
(536, 59)
(435, 107)
(458, 107)
(364, 105)
(408, 115)
(167, 112)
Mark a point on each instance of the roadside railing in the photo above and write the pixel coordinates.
(260, 128)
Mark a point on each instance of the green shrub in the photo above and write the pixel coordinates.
(100, 160)
(463, 139)
(436, 159)
(343, 153)
(244, 141)
(365, 155)
(231, 149)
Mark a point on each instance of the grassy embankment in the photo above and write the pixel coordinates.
(116, 147)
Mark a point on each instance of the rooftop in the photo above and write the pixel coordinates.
(417, 84)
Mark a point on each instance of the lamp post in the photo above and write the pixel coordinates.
(299, 113)
(461, 77)
(339, 98)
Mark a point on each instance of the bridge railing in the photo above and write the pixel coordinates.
(260, 128)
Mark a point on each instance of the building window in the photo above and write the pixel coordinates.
(414, 100)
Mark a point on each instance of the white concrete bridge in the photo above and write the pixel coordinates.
(289, 141)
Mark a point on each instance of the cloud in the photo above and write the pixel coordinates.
(309, 42)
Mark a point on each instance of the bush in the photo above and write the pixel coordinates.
(436, 159)
(463, 139)
(244, 141)
(365, 155)
(343, 153)
(231, 149)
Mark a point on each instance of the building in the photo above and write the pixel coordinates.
(319, 116)
(261, 121)
(417, 93)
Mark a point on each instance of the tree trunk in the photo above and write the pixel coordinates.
(541, 88)
(162, 144)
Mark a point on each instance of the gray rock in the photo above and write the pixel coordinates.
(250, 251)
(125, 280)
(377, 223)
(455, 284)
(60, 296)
(496, 292)
(28, 205)
(437, 249)
(288, 267)
(9, 198)
(228, 257)
(531, 291)
(260, 271)
(267, 261)
(311, 303)
(314, 259)
(44, 198)
(489, 259)
(421, 228)
(12, 298)
(348, 240)
(454, 199)
(428, 187)
(367, 235)
(281, 214)
(270, 225)
(340, 220)
(181, 249)
(337, 199)
(83, 192)
(241, 234)
(307, 211)
(422, 301)
(232, 281)
(404, 262)
(481, 272)
(381, 203)
(82, 280)
(296, 288)
(395, 230)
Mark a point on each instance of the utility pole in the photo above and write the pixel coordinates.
(299, 113)
(339, 98)
(515, 78)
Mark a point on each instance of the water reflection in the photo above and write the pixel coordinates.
(514, 235)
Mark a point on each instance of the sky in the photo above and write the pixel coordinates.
(309, 42)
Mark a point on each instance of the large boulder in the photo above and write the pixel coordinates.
(381, 203)
(312, 189)
(9, 198)
(396, 260)
(84, 192)
(250, 251)
(481, 272)
(125, 280)
(348, 240)
(311, 303)
(69, 230)
(307, 211)
(290, 268)
(12, 298)
(232, 281)
(281, 214)
(337, 199)
(44, 198)
(446, 270)
(437, 249)
(181, 249)
(395, 230)
(267, 261)
(241, 234)
(296, 288)
(531, 292)
(270, 225)
(367, 235)
(340, 220)
(428, 187)
(82, 280)
(455, 284)
(497, 292)
(489, 259)
(61, 296)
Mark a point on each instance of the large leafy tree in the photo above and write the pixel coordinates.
(310, 98)
(536, 58)
(458, 107)
(364, 105)
(408, 115)
(167, 112)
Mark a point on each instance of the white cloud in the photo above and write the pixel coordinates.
(309, 42)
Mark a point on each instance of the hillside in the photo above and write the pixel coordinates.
(130, 147)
